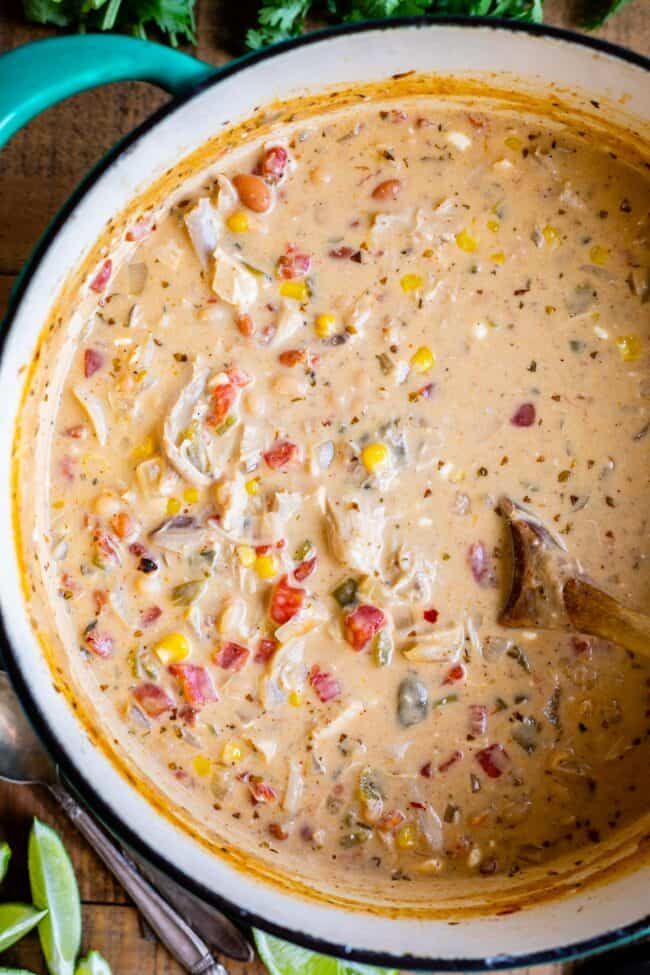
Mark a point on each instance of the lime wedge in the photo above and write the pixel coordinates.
(93, 964)
(5, 857)
(14, 971)
(15, 921)
(54, 887)
(282, 958)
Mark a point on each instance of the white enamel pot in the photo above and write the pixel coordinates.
(534, 57)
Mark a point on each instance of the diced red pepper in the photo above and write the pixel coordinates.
(150, 615)
(342, 253)
(524, 415)
(457, 672)
(478, 714)
(196, 684)
(232, 656)
(153, 699)
(453, 758)
(292, 357)
(223, 399)
(293, 263)
(493, 760)
(274, 163)
(305, 569)
(265, 649)
(431, 615)
(261, 791)
(101, 644)
(281, 454)
(245, 325)
(326, 686)
(102, 277)
(286, 601)
(93, 362)
(361, 625)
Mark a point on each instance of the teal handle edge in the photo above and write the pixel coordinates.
(35, 76)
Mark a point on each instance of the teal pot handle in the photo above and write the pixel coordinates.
(36, 76)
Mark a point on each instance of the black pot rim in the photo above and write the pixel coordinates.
(74, 779)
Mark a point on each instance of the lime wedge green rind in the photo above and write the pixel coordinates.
(93, 964)
(16, 920)
(54, 887)
(5, 857)
(282, 958)
(14, 971)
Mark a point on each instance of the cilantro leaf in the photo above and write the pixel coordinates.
(279, 20)
(173, 18)
(598, 11)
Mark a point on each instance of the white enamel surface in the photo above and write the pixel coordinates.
(357, 57)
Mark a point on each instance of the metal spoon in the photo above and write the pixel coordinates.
(23, 760)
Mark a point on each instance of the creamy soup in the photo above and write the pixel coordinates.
(280, 426)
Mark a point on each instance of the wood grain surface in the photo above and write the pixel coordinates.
(38, 170)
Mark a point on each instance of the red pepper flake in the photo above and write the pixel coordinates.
(326, 686)
(273, 164)
(478, 714)
(453, 758)
(524, 415)
(286, 601)
(342, 253)
(153, 700)
(232, 656)
(188, 715)
(260, 790)
(102, 277)
(265, 649)
(281, 454)
(93, 362)
(427, 771)
(361, 625)
(305, 569)
(293, 264)
(493, 760)
(101, 644)
(278, 832)
(457, 672)
(150, 615)
(431, 615)
(196, 684)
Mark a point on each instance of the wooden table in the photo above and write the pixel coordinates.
(37, 172)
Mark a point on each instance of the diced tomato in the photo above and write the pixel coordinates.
(245, 325)
(274, 163)
(326, 686)
(102, 277)
(101, 644)
(281, 454)
(286, 601)
(493, 760)
(239, 377)
(478, 714)
(261, 791)
(265, 649)
(223, 399)
(232, 656)
(188, 714)
(93, 362)
(361, 625)
(100, 598)
(150, 615)
(391, 820)
(293, 263)
(457, 672)
(524, 415)
(67, 467)
(292, 357)
(305, 569)
(153, 699)
(453, 758)
(140, 229)
(263, 549)
(196, 684)
(341, 253)
(431, 615)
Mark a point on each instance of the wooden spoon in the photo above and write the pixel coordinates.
(550, 591)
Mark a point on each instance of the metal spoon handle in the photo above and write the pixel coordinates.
(177, 936)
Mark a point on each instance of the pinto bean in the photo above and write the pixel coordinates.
(253, 192)
(388, 190)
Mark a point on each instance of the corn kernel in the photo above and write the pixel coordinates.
(172, 649)
(550, 309)
(466, 242)
(191, 495)
(498, 258)
(513, 142)
(58, 504)
(551, 236)
(598, 255)
(406, 836)
(630, 347)
(423, 359)
(253, 486)
(493, 226)
(238, 222)
(202, 764)
(246, 555)
(295, 699)
(299, 290)
(173, 506)
(324, 326)
(144, 450)
(266, 566)
(373, 456)
(231, 753)
(411, 282)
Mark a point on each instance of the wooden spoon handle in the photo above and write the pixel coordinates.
(592, 611)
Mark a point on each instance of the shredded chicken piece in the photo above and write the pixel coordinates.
(355, 532)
